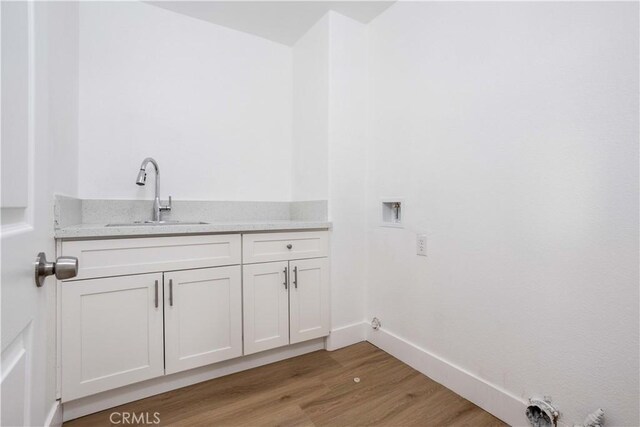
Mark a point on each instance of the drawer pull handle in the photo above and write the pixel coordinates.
(156, 297)
(295, 276)
(171, 292)
(286, 278)
(289, 246)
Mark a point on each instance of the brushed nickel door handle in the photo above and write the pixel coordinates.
(286, 278)
(65, 267)
(171, 292)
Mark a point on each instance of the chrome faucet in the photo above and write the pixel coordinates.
(158, 207)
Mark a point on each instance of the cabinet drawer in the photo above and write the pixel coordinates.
(117, 257)
(267, 247)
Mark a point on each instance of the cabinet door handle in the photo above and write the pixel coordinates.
(156, 297)
(171, 292)
(286, 278)
(295, 276)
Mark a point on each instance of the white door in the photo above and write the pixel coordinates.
(309, 299)
(203, 317)
(265, 296)
(27, 367)
(111, 333)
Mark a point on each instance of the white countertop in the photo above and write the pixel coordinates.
(83, 231)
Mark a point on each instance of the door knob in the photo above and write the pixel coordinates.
(65, 267)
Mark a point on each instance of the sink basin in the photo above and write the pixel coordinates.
(144, 223)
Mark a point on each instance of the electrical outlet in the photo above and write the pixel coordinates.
(421, 245)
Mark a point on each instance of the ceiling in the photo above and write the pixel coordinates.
(280, 21)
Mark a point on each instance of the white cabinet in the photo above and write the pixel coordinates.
(111, 333)
(309, 299)
(203, 317)
(145, 307)
(285, 302)
(266, 306)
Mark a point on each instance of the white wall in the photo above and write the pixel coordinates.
(311, 113)
(347, 167)
(62, 73)
(210, 104)
(329, 162)
(511, 131)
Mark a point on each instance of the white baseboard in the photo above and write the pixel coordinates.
(347, 335)
(54, 418)
(491, 398)
(109, 399)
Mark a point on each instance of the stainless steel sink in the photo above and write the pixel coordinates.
(145, 223)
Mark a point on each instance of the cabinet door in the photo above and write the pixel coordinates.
(266, 306)
(111, 333)
(203, 317)
(309, 299)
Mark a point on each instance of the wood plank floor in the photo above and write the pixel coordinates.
(316, 389)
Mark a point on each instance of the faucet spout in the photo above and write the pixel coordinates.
(158, 207)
